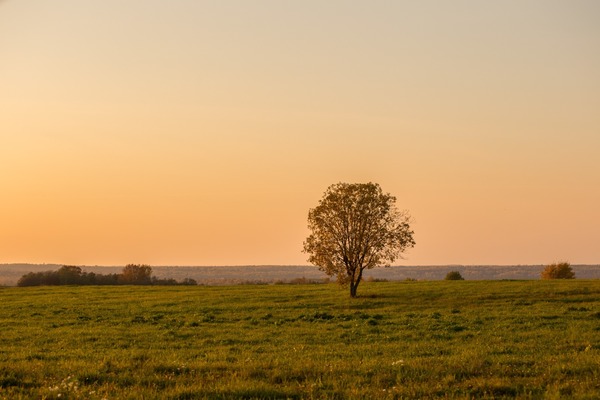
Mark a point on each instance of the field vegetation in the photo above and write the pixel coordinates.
(443, 339)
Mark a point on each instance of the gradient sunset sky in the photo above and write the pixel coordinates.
(192, 132)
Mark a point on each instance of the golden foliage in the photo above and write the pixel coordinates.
(356, 227)
(561, 270)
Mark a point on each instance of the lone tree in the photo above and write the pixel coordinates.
(356, 227)
(561, 270)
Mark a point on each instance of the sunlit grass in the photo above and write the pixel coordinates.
(456, 339)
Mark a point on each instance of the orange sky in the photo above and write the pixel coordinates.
(201, 132)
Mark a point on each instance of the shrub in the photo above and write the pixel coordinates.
(373, 279)
(454, 276)
(69, 275)
(561, 270)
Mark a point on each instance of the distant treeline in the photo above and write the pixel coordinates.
(132, 274)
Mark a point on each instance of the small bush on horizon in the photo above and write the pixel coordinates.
(306, 281)
(454, 276)
(373, 279)
(560, 270)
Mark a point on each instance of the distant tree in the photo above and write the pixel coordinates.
(134, 274)
(69, 275)
(43, 278)
(561, 270)
(110, 279)
(454, 276)
(30, 279)
(356, 227)
(88, 278)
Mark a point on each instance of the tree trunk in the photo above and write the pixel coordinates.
(354, 284)
(353, 287)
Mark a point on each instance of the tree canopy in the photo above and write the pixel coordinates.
(136, 274)
(356, 227)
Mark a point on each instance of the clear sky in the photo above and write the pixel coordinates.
(191, 132)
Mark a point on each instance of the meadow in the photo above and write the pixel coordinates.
(441, 339)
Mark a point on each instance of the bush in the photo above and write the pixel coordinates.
(373, 279)
(561, 270)
(454, 276)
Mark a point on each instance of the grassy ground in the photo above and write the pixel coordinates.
(494, 339)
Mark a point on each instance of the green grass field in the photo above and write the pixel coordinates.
(466, 339)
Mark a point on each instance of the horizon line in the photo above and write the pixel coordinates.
(284, 265)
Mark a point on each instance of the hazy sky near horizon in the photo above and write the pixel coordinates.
(201, 132)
